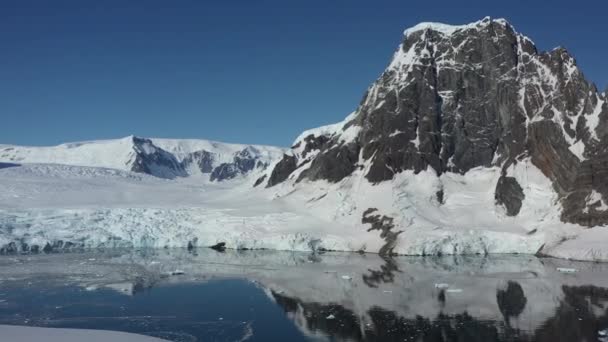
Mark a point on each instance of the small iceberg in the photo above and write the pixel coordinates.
(566, 270)
(453, 290)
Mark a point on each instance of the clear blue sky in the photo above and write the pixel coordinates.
(237, 71)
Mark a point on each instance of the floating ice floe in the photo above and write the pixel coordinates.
(347, 277)
(566, 270)
(442, 285)
(19, 333)
(453, 290)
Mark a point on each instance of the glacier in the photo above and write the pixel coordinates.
(76, 206)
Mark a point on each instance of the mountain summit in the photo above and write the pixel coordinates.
(459, 98)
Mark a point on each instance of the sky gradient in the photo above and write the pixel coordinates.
(246, 71)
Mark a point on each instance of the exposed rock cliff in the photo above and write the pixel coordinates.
(456, 98)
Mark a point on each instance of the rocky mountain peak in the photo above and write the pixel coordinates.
(455, 98)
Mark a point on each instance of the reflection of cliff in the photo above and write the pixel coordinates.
(342, 325)
(579, 317)
(364, 297)
(386, 325)
(511, 303)
(386, 274)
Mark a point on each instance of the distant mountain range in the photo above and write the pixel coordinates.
(164, 158)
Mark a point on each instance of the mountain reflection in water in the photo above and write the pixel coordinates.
(203, 295)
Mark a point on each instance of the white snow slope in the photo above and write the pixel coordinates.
(103, 207)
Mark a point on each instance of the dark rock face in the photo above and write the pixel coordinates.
(333, 165)
(242, 163)
(385, 225)
(313, 142)
(152, 160)
(245, 161)
(479, 95)
(282, 170)
(224, 171)
(204, 160)
(510, 194)
(260, 180)
(220, 247)
(440, 194)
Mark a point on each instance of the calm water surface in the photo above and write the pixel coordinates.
(205, 295)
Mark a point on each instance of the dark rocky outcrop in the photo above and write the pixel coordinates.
(260, 180)
(509, 194)
(220, 247)
(313, 143)
(385, 225)
(282, 170)
(333, 165)
(224, 171)
(152, 160)
(242, 163)
(204, 160)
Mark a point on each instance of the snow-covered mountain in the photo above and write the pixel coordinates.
(164, 158)
(468, 127)
(471, 141)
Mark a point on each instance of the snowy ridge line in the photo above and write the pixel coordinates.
(163, 158)
(447, 29)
